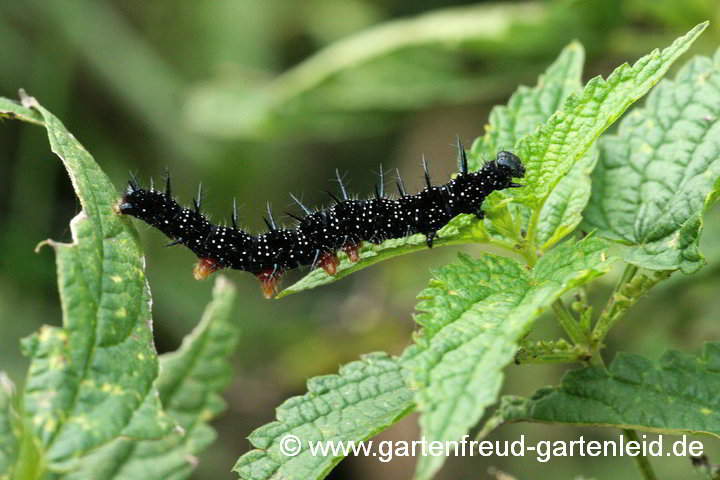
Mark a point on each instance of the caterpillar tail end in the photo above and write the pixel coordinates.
(205, 267)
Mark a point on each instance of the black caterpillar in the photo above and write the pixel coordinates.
(321, 233)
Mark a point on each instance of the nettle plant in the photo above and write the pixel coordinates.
(97, 405)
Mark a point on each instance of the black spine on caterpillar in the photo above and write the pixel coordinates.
(320, 234)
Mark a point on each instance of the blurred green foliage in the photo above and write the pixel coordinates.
(219, 91)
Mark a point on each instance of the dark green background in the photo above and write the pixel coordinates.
(124, 78)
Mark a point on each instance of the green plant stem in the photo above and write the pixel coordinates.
(641, 461)
(568, 323)
(628, 274)
(516, 248)
(596, 359)
(611, 313)
(530, 256)
(502, 244)
(527, 356)
(530, 251)
(583, 294)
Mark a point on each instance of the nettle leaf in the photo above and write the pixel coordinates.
(12, 109)
(193, 377)
(365, 398)
(658, 176)
(677, 395)
(460, 230)
(563, 209)
(527, 108)
(473, 315)
(92, 400)
(20, 456)
(551, 151)
(9, 438)
(10, 428)
(189, 384)
(92, 380)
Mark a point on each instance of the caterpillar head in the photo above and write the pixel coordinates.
(510, 164)
(140, 203)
